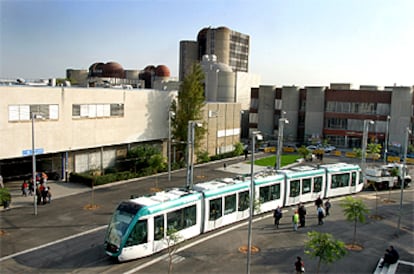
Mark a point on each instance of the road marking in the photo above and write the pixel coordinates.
(52, 243)
(164, 257)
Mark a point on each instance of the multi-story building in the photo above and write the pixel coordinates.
(77, 129)
(334, 113)
(230, 47)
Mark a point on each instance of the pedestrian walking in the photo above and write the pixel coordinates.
(25, 188)
(302, 215)
(299, 265)
(295, 220)
(321, 215)
(327, 207)
(277, 215)
(318, 202)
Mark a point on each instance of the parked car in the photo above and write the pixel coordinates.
(325, 148)
(312, 147)
(328, 148)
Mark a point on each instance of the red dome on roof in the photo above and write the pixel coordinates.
(113, 69)
(162, 71)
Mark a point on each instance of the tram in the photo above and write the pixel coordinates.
(139, 226)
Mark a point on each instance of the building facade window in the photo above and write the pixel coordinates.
(97, 110)
(23, 112)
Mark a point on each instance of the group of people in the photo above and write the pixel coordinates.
(40, 189)
(391, 256)
(299, 216)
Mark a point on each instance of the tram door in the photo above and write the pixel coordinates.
(159, 232)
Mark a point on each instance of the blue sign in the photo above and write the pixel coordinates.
(28, 152)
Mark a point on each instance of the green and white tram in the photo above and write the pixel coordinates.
(139, 226)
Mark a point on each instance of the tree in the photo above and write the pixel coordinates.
(238, 149)
(5, 197)
(146, 159)
(354, 211)
(304, 152)
(324, 247)
(374, 149)
(172, 239)
(189, 107)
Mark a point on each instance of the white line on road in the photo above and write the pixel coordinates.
(52, 243)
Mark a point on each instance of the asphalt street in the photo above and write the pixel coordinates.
(71, 232)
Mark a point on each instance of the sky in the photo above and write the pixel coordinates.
(295, 42)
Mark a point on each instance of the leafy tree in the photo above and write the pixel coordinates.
(202, 156)
(191, 100)
(354, 211)
(304, 152)
(146, 159)
(5, 197)
(238, 149)
(374, 149)
(324, 247)
(358, 152)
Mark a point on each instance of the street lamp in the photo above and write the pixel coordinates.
(282, 122)
(386, 139)
(255, 134)
(190, 152)
(404, 173)
(364, 144)
(170, 115)
(33, 117)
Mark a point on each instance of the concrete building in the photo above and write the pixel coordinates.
(224, 57)
(82, 129)
(334, 113)
(230, 47)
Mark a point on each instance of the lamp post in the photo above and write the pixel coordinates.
(404, 173)
(170, 115)
(386, 139)
(282, 122)
(33, 117)
(190, 152)
(364, 144)
(255, 134)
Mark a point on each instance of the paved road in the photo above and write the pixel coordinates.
(69, 215)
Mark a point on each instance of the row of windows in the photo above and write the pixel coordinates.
(51, 112)
(24, 112)
(306, 186)
(357, 107)
(98, 110)
(354, 124)
(186, 217)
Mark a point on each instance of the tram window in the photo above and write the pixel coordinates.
(340, 180)
(158, 227)
(215, 209)
(138, 234)
(353, 178)
(294, 188)
(229, 204)
(269, 193)
(306, 185)
(317, 184)
(243, 200)
(181, 218)
(175, 220)
(190, 214)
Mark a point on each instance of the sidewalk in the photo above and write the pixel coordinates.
(58, 189)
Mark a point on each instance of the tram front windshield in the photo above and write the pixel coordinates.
(120, 222)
